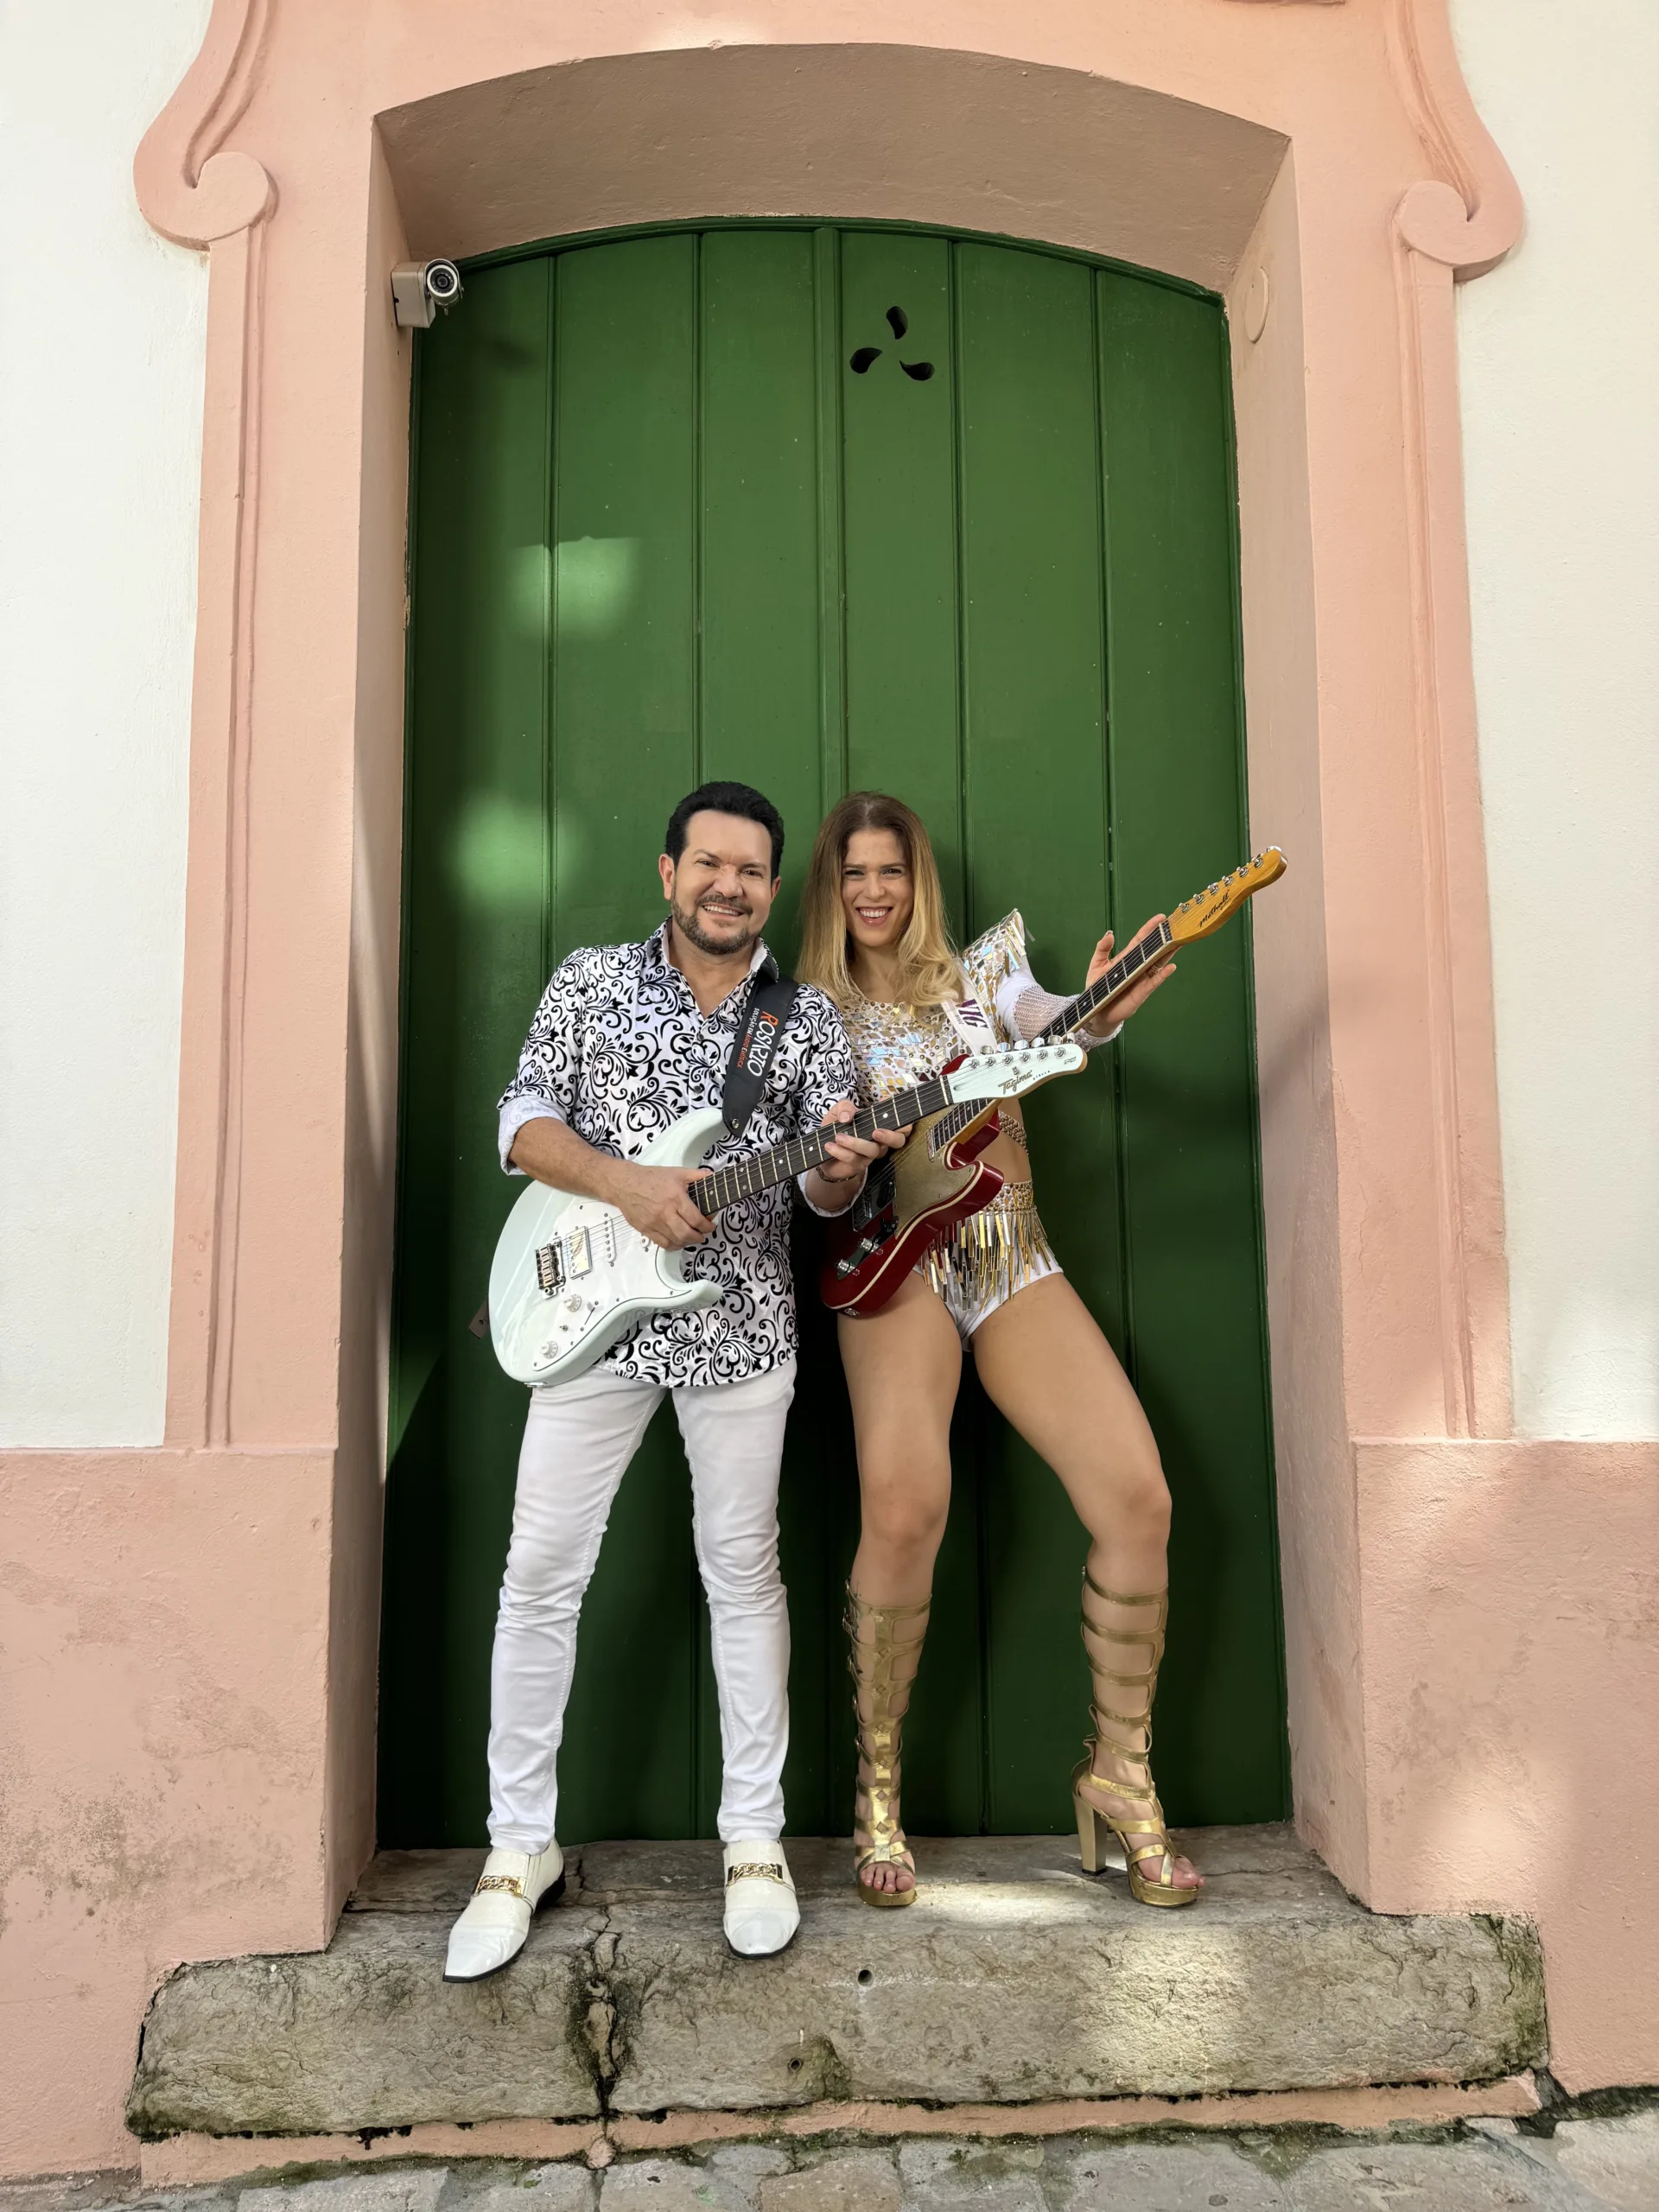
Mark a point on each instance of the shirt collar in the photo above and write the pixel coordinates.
(656, 956)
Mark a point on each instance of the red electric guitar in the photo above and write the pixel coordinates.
(916, 1197)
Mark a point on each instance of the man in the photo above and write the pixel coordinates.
(628, 1039)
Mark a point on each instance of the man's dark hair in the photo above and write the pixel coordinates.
(740, 799)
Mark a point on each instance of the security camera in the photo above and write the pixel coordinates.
(419, 289)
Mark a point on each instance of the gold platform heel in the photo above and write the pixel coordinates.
(1148, 1838)
(887, 1645)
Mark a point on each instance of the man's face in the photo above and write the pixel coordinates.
(722, 887)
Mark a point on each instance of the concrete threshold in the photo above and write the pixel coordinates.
(1015, 1981)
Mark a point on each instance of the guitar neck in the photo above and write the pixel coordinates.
(746, 1179)
(1118, 977)
(1088, 1003)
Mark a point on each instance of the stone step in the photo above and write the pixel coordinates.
(1013, 1979)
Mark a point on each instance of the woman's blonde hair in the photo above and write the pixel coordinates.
(929, 973)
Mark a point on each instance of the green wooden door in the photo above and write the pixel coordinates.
(818, 509)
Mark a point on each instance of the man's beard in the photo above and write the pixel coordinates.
(691, 927)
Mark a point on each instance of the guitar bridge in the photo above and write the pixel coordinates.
(568, 1257)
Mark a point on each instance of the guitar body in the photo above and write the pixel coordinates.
(888, 1229)
(570, 1276)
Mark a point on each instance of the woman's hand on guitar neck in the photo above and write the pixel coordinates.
(1134, 1000)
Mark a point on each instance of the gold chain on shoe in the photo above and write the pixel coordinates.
(754, 1869)
(510, 1882)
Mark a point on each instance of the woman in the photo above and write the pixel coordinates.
(874, 937)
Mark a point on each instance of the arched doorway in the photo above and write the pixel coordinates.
(822, 506)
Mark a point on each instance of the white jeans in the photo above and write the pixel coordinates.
(578, 1441)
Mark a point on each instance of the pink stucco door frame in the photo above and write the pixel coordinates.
(1322, 168)
(1321, 165)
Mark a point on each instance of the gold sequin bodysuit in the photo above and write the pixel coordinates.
(983, 1261)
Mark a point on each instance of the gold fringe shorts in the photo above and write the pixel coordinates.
(985, 1259)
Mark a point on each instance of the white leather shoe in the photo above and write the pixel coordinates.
(490, 1932)
(761, 1914)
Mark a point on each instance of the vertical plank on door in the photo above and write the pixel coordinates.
(903, 732)
(759, 562)
(625, 649)
(626, 735)
(1196, 1329)
(763, 696)
(832, 598)
(473, 962)
(904, 736)
(1034, 779)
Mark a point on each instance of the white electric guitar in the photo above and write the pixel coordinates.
(570, 1275)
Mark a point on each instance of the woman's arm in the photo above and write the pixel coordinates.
(1026, 1008)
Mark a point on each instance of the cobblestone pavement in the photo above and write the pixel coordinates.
(1586, 2165)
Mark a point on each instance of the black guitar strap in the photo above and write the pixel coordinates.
(746, 1071)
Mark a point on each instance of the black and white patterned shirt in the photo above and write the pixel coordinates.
(619, 1051)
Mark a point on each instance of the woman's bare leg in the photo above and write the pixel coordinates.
(903, 1367)
(1050, 1371)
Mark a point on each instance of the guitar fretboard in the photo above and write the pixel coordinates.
(746, 1179)
(1121, 973)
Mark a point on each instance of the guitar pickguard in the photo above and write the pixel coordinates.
(923, 1179)
(915, 1196)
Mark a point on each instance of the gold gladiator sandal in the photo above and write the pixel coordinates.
(1146, 1838)
(887, 1644)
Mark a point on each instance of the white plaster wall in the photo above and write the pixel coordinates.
(1559, 351)
(102, 331)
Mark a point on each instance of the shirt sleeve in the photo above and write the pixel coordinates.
(828, 1075)
(1025, 1010)
(545, 1087)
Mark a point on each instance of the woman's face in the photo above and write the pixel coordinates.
(877, 894)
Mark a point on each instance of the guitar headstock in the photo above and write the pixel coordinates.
(1205, 911)
(1007, 1075)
